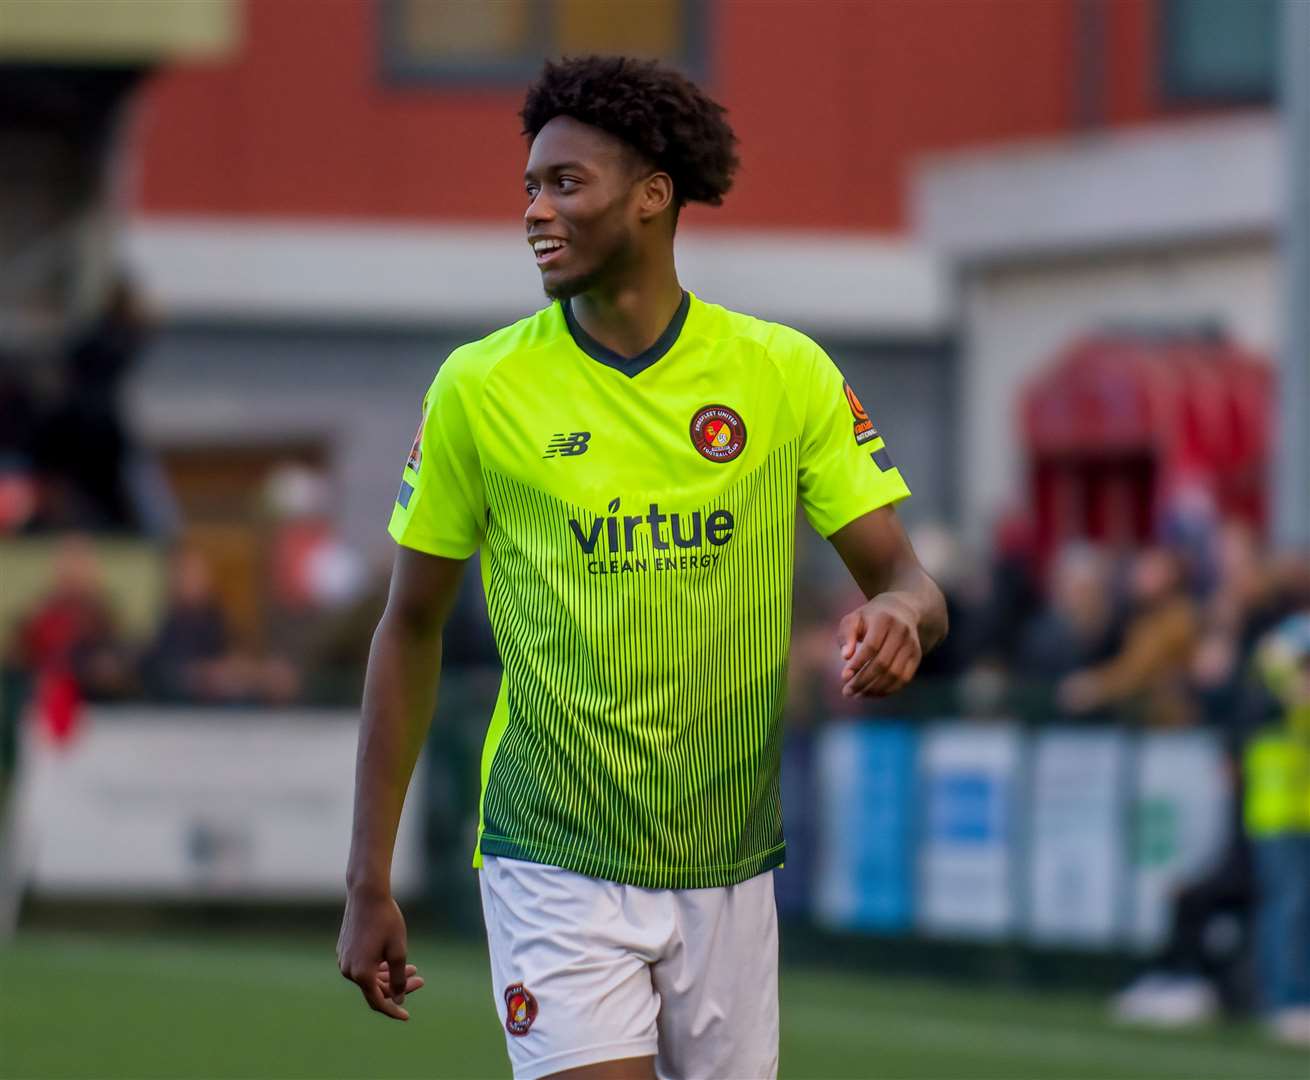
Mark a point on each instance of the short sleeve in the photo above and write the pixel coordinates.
(845, 468)
(440, 508)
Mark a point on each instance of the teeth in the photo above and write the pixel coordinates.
(541, 247)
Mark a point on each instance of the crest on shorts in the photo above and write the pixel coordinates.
(862, 428)
(718, 433)
(520, 1009)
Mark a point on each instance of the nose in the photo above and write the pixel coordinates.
(539, 210)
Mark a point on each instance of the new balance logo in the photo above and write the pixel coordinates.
(570, 445)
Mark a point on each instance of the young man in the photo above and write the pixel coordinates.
(628, 462)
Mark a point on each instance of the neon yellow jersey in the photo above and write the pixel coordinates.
(636, 520)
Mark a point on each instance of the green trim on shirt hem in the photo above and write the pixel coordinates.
(648, 877)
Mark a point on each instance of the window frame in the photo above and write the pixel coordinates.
(399, 68)
(1179, 87)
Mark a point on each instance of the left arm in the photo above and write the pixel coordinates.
(883, 640)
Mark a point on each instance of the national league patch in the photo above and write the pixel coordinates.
(416, 451)
(863, 428)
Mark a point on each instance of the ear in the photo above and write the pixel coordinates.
(656, 196)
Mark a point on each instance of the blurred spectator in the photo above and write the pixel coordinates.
(1290, 574)
(192, 640)
(1203, 966)
(79, 446)
(313, 575)
(1149, 673)
(1013, 597)
(1277, 812)
(1188, 525)
(1078, 627)
(17, 485)
(946, 562)
(16, 408)
(1243, 604)
(192, 658)
(72, 633)
(312, 568)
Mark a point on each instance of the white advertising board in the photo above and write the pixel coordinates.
(1076, 855)
(1182, 814)
(969, 784)
(202, 804)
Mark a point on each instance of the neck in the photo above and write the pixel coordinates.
(628, 316)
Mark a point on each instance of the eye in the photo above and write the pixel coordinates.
(567, 183)
(531, 190)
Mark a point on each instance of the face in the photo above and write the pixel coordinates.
(586, 200)
(191, 579)
(1155, 572)
(77, 569)
(1081, 585)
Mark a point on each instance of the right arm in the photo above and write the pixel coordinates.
(400, 694)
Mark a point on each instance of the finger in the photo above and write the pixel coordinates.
(375, 994)
(414, 982)
(901, 669)
(849, 632)
(878, 673)
(383, 966)
(895, 673)
(395, 958)
(861, 655)
(885, 638)
(875, 641)
(384, 976)
(378, 1000)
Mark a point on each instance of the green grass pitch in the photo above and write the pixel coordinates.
(82, 1006)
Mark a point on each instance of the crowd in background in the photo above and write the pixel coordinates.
(1158, 636)
(306, 653)
(74, 633)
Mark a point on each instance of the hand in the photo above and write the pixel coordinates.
(371, 953)
(1078, 693)
(879, 643)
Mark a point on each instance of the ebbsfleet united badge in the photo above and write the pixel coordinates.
(718, 433)
(520, 1009)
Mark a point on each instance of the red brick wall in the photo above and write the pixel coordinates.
(832, 101)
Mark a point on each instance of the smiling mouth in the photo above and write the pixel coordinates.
(548, 251)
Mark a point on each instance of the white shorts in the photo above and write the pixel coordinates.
(585, 970)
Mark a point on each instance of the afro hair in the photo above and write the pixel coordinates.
(663, 116)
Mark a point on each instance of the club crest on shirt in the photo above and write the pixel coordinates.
(520, 1009)
(863, 428)
(416, 451)
(718, 433)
